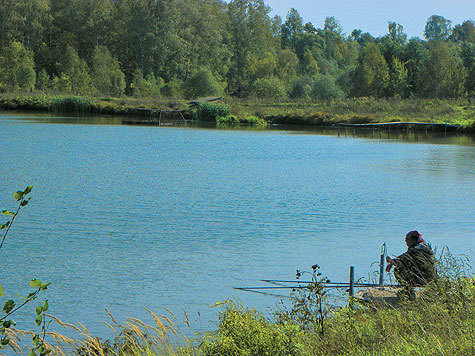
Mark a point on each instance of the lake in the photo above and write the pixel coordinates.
(128, 217)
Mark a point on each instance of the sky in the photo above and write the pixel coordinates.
(373, 15)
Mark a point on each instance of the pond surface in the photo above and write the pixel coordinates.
(126, 217)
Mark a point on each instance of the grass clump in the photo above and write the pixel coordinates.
(72, 104)
(228, 120)
(254, 121)
(210, 112)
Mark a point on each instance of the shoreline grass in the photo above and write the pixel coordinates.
(458, 112)
(439, 322)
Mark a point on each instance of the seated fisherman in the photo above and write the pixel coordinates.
(415, 267)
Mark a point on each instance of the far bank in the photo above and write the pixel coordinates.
(457, 112)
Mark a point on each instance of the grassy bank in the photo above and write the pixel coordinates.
(310, 113)
(441, 321)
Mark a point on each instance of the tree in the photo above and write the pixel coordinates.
(268, 88)
(202, 83)
(371, 75)
(287, 63)
(325, 87)
(77, 71)
(396, 32)
(444, 73)
(106, 74)
(292, 27)
(437, 28)
(251, 34)
(17, 68)
(398, 79)
(360, 37)
(464, 32)
(468, 58)
(415, 56)
(331, 24)
(309, 65)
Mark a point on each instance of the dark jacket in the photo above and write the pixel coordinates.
(416, 267)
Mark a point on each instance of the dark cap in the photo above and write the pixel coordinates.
(413, 234)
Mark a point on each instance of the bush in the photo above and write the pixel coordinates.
(173, 89)
(202, 83)
(326, 88)
(228, 120)
(269, 88)
(209, 112)
(300, 88)
(254, 120)
(246, 332)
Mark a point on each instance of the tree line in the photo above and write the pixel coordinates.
(190, 48)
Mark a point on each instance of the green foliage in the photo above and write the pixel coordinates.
(325, 87)
(75, 73)
(243, 331)
(253, 120)
(269, 88)
(95, 48)
(10, 306)
(437, 28)
(146, 87)
(17, 68)
(72, 104)
(228, 120)
(210, 112)
(444, 73)
(43, 81)
(300, 88)
(173, 89)
(398, 79)
(106, 73)
(308, 304)
(202, 83)
(371, 74)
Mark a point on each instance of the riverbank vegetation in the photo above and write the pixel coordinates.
(134, 53)
(439, 322)
(456, 112)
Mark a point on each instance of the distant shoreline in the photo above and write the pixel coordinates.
(458, 114)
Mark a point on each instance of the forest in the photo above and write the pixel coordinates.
(193, 48)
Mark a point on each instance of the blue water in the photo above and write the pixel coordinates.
(127, 217)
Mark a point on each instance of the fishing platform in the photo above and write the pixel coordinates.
(373, 293)
(397, 127)
(156, 117)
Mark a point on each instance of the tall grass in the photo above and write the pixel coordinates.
(441, 321)
(72, 104)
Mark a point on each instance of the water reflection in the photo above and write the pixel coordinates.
(425, 134)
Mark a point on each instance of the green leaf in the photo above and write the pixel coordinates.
(18, 195)
(4, 226)
(24, 202)
(44, 286)
(38, 320)
(35, 283)
(8, 306)
(28, 190)
(7, 324)
(39, 309)
(36, 340)
(45, 352)
(6, 212)
(33, 353)
(2, 292)
(5, 340)
(45, 305)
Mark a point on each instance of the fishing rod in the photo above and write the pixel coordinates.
(327, 284)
